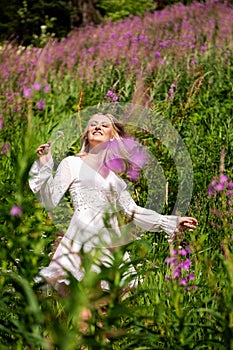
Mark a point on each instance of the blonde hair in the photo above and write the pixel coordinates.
(118, 130)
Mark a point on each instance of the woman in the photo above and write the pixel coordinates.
(96, 190)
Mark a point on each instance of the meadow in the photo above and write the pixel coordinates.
(177, 63)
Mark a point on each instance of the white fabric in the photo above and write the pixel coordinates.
(92, 196)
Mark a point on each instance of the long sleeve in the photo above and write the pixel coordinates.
(145, 218)
(50, 189)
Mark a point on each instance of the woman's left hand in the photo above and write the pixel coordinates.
(187, 223)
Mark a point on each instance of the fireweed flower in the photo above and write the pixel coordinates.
(117, 165)
(180, 268)
(183, 281)
(111, 95)
(220, 184)
(37, 86)
(185, 265)
(27, 92)
(16, 210)
(171, 92)
(133, 174)
(223, 178)
(176, 273)
(47, 88)
(127, 156)
(40, 105)
(183, 252)
(5, 148)
(1, 124)
(219, 187)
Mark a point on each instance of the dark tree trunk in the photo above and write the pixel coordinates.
(84, 12)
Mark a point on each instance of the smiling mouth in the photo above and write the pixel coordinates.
(97, 133)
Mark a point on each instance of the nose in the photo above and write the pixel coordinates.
(98, 126)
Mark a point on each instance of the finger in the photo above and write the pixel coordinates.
(41, 149)
(193, 220)
(190, 220)
(188, 224)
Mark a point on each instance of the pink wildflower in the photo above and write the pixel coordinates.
(223, 178)
(40, 105)
(47, 88)
(27, 92)
(37, 86)
(5, 148)
(16, 210)
(220, 187)
(183, 281)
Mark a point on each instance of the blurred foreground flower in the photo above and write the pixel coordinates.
(126, 155)
(16, 210)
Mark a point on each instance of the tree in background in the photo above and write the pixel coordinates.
(22, 19)
(116, 10)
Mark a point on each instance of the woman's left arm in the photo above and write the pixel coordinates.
(152, 221)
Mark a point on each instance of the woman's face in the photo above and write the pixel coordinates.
(99, 130)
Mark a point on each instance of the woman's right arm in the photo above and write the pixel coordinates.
(49, 189)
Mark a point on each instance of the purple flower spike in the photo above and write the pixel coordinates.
(183, 252)
(210, 191)
(183, 281)
(230, 185)
(37, 86)
(117, 165)
(176, 273)
(1, 124)
(16, 210)
(195, 287)
(213, 182)
(230, 194)
(133, 174)
(171, 261)
(185, 265)
(173, 252)
(40, 105)
(111, 95)
(5, 148)
(167, 278)
(220, 187)
(191, 276)
(47, 88)
(223, 178)
(27, 93)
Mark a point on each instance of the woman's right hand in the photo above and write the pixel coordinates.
(44, 153)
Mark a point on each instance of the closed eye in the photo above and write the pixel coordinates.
(104, 125)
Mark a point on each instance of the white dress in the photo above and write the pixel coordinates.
(93, 196)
